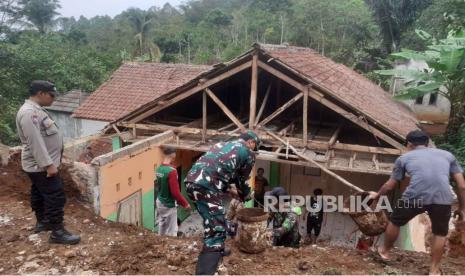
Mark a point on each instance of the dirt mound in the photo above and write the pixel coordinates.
(114, 248)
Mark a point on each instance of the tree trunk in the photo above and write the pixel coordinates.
(457, 109)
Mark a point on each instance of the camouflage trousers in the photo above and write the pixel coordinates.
(210, 206)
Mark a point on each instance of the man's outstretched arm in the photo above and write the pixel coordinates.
(458, 177)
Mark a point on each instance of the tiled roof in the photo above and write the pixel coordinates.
(135, 84)
(69, 101)
(346, 85)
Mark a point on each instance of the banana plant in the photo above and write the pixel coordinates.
(445, 73)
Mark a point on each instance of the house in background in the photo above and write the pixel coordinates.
(62, 110)
(132, 85)
(290, 95)
(432, 110)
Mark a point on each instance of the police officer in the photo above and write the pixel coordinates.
(285, 224)
(41, 158)
(208, 181)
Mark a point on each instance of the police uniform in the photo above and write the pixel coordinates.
(42, 146)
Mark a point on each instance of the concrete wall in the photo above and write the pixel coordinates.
(73, 128)
(90, 127)
(69, 126)
(131, 169)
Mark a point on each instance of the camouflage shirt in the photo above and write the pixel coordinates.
(224, 164)
(286, 227)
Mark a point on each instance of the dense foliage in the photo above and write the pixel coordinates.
(36, 43)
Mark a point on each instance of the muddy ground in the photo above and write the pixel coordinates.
(113, 248)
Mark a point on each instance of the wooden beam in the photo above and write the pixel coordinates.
(312, 145)
(204, 116)
(305, 117)
(118, 132)
(281, 75)
(280, 110)
(253, 91)
(333, 139)
(358, 148)
(225, 109)
(352, 159)
(353, 118)
(320, 97)
(375, 161)
(323, 168)
(191, 91)
(262, 107)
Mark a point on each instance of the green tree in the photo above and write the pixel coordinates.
(142, 24)
(40, 13)
(446, 74)
(394, 17)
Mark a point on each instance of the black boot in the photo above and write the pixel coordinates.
(207, 263)
(42, 226)
(62, 236)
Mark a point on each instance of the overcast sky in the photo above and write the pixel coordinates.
(90, 8)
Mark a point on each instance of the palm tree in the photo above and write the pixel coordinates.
(142, 23)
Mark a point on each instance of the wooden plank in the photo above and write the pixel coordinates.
(191, 91)
(358, 148)
(225, 109)
(134, 132)
(353, 118)
(262, 107)
(304, 119)
(253, 92)
(375, 161)
(352, 159)
(281, 75)
(280, 110)
(118, 132)
(204, 116)
(333, 139)
(315, 145)
(323, 168)
(320, 97)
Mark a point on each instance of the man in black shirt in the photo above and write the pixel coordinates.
(315, 216)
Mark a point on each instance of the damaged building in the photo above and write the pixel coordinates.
(322, 125)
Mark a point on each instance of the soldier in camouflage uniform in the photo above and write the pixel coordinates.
(285, 224)
(207, 183)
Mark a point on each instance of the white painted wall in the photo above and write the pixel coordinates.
(436, 113)
(89, 127)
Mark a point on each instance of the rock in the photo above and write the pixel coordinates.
(70, 254)
(22, 252)
(19, 258)
(86, 221)
(303, 265)
(172, 268)
(34, 238)
(30, 257)
(12, 238)
(62, 263)
(53, 271)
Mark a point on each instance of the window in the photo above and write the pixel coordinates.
(433, 98)
(140, 175)
(117, 187)
(130, 181)
(419, 100)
